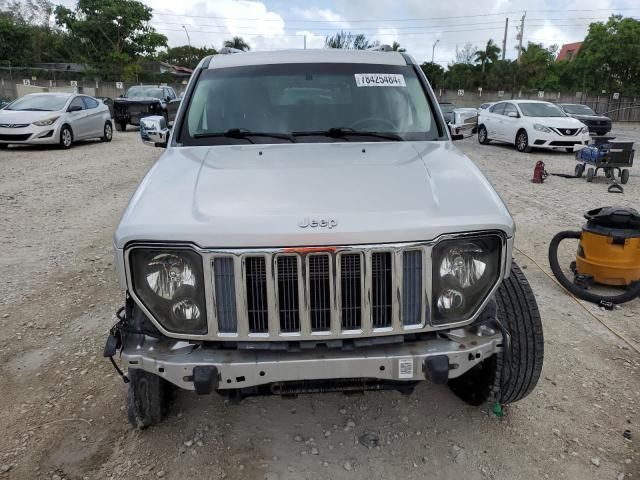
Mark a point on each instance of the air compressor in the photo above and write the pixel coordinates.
(608, 254)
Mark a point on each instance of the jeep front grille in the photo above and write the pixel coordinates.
(319, 293)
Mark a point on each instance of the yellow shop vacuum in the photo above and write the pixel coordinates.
(608, 254)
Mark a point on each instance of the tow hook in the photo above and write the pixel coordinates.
(436, 369)
(205, 379)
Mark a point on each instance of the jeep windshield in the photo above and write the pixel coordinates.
(303, 103)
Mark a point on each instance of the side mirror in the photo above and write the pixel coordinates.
(154, 131)
(74, 108)
(513, 115)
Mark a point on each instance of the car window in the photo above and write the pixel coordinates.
(142, 92)
(90, 102)
(541, 109)
(171, 94)
(498, 108)
(77, 102)
(578, 109)
(285, 98)
(509, 107)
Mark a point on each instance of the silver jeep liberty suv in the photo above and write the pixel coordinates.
(310, 228)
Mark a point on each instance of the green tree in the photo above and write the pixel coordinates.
(608, 58)
(186, 55)
(462, 76)
(435, 74)
(488, 55)
(237, 42)
(348, 40)
(111, 34)
(535, 67)
(396, 47)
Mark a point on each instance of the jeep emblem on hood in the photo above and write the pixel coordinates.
(318, 222)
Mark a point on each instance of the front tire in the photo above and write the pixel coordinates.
(511, 375)
(522, 142)
(483, 136)
(148, 399)
(107, 133)
(121, 126)
(66, 137)
(624, 176)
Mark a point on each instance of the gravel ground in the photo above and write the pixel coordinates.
(62, 412)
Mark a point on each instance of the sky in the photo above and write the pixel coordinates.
(415, 24)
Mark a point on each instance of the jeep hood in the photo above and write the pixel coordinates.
(259, 195)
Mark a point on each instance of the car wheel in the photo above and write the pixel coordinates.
(121, 126)
(522, 142)
(591, 173)
(624, 176)
(66, 137)
(510, 375)
(148, 399)
(483, 137)
(108, 132)
(579, 170)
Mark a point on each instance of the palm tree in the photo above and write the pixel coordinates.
(237, 42)
(488, 55)
(396, 47)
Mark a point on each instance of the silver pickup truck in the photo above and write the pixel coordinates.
(311, 227)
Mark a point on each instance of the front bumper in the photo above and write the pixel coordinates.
(175, 360)
(553, 140)
(31, 135)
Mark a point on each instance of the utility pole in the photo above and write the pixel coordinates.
(520, 35)
(305, 42)
(504, 41)
(188, 38)
(433, 50)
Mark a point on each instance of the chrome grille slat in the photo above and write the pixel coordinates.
(225, 294)
(319, 292)
(351, 286)
(381, 275)
(288, 295)
(412, 287)
(257, 303)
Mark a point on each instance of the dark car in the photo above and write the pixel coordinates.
(139, 102)
(172, 107)
(597, 124)
(4, 102)
(447, 110)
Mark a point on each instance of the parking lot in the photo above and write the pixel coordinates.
(63, 405)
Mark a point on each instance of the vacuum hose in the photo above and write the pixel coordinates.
(631, 292)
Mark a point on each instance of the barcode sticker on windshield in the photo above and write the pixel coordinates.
(405, 368)
(380, 80)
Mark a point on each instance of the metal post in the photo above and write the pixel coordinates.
(520, 35)
(433, 50)
(305, 42)
(504, 41)
(188, 38)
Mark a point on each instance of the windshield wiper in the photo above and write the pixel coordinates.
(343, 132)
(243, 133)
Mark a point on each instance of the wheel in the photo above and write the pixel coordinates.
(624, 176)
(511, 375)
(66, 137)
(483, 137)
(522, 142)
(590, 174)
(121, 126)
(148, 399)
(108, 132)
(579, 170)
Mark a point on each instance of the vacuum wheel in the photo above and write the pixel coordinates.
(624, 176)
(591, 173)
(579, 170)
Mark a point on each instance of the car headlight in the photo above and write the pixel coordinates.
(464, 272)
(584, 130)
(541, 128)
(170, 283)
(46, 122)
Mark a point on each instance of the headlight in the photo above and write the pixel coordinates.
(464, 271)
(584, 130)
(541, 128)
(170, 283)
(47, 122)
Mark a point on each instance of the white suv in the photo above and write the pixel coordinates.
(531, 124)
(309, 228)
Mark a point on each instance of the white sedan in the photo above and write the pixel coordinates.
(531, 124)
(54, 118)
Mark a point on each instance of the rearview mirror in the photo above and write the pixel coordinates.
(154, 131)
(74, 108)
(513, 114)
